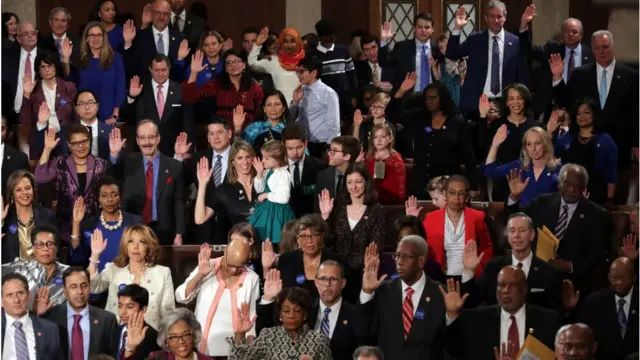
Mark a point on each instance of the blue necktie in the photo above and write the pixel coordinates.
(622, 317)
(324, 328)
(425, 70)
(160, 44)
(603, 88)
(495, 67)
(20, 342)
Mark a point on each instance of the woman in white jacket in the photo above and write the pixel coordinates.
(135, 264)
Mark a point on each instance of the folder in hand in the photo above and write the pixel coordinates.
(533, 349)
(547, 245)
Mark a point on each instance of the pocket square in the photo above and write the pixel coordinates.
(176, 105)
(536, 290)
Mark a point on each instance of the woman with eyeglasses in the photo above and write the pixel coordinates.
(232, 88)
(75, 174)
(179, 335)
(105, 12)
(98, 68)
(21, 213)
(451, 228)
(276, 112)
(48, 102)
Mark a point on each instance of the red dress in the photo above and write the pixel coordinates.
(391, 189)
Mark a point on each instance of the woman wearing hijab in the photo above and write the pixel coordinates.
(281, 67)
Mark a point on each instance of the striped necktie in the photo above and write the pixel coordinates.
(407, 312)
(561, 227)
(324, 328)
(22, 351)
(217, 171)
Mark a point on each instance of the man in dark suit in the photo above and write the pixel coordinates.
(11, 158)
(76, 317)
(343, 151)
(23, 332)
(581, 225)
(59, 19)
(303, 168)
(154, 39)
(406, 314)
(160, 100)
(543, 282)
(509, 322)
(616, 92)
(187, 23)
(571, 50)
(132, 303)
(153, 184)
(374, 64)
(494, 57)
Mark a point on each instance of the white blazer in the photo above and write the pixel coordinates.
(157, 281)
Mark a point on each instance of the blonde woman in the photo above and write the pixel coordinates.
(537, 167)
(99, 69)
(136, 263)
(377, 116)
(386, 165)
(211, 45)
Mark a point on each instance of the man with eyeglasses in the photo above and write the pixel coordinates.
(43, 271)
(343, 151)
(133, 301)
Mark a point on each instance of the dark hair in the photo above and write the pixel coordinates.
(311, 39)
(447, 104)
(368, 351)
(6, 16)
(44, 228)
(80, 92)
(312, 222)
(283, 100)
(217, 120)
(357, 33)
(137, 293)
(324, 27)
(368, 38)
(16, 276)
(272, 38)
(160, 58)
(407, 221)
(423, 16)
(48, 58)
(370, 194)
(457, 178)
(73, 269)
(333, 263)
(311, 63)
(77, 129)
(14, 179)
(294, 131)
(523, 90)
(350, 146)
(296, 296)
(250, 30)
(246, 81)
(596, 114)
(107, 180)
(95, 13)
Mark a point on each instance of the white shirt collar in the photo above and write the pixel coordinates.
(335, 308)
(64, 36)
(418, 286)
(577, 51)
(155, 85)
(70, 312)
(627, 298)
(324, 50)
(164, 33)
(182, 15)
(519, 315)
(33, 52)
(500, 35)
(526, 263)
(572, 207)
(23, 319)
(84, 123)
(419, 44)
(300, 162)
(609, 68)
(224, 152)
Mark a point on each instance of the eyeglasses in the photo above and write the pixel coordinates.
(306, 237)
(86, 103)
(237, 267)
(328, 280)
(94, 36)
(458, 194)
(47, 67)
(29, 33)
(233, 62)
(77, 144)
(403, 257)
(40, 245)
(147, 138)
(177, 338)
(333, 151)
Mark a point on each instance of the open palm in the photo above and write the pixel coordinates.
(452, 300)
(245, 322)
(98, 243)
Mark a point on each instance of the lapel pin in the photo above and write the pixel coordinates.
(39, 333)
(95, 322)
(240, 285)
(166, 171)
(530, 330)
(170, 92)
(618, 77)
(633, 312)
(427, 299)
(586, 58)
(345, 322)
(57, 95)
(581, 216)
(9, 157)
(172, 38)
(188, 22)
(535, 268)
(510, 43)
(102, 131)
(366, 217)
(444, 128)
(148, 281)
(240, 191)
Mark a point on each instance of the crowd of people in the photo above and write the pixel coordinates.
(309, 143)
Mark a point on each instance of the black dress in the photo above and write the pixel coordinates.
(585, 155)
(231, 206)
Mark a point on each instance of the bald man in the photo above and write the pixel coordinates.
(612, 313)
(221, 285)
(474, 333)
(579, 343)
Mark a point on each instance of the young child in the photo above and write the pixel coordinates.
(436, 191)
(273, 210)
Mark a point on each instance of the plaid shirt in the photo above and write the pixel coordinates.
(36, 275)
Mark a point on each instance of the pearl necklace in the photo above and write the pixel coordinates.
(132, 275)
(111, 227)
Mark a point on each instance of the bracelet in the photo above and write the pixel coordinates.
(126, 347)
(94, 262)
(74, 237)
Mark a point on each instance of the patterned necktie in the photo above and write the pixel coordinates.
(77, 343)
(123, 346)
(177, 24)
(603, 88)
(324, 328)
(22, 351)
(296, 174)
(28, 72)
(622, 317)
(147, 212)
(495, 67)
(407, 312)
(375, 75)
(160, 101)
(572, 64)
(160, 44)
(217, 171)
(425, 70)
(512, 335)
(561, 227)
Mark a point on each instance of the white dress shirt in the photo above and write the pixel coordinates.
(182, 16)
(1, 155)
(9, 344)
(50, 97)
(487, 83)
(279, 185)
(17, 103)
(122, 331)
(283, 80)
(94, 135)
(419, 61)
(599, 70)
(571, 210)
(292, 167)
(454, 245)
(224, 160)
(418, 288)
(627, 303)
(165, 40)
(505, 323)
(526, 263)
(577, 60)
(333, 317)
(165, 91)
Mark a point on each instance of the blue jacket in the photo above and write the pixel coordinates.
(606, 161)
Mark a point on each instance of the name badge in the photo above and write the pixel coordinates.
(419, 314)
(251, 266)
(566, 147)
(59, 281)
(121, 286)
(63, 102)
(87, 234)
(395, 276)
(428, 129)
(300, 279)
(13, 228)
(508, 132)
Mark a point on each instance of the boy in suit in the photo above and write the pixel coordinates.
(343, 151)
(133, 301)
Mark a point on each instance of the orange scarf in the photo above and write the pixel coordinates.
(289, 62)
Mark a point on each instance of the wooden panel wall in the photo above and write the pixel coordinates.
(593, 17)
(346, 16)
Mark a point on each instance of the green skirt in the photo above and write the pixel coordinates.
(269, 218)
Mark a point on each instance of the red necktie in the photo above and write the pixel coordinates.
(77, 344)
(27, 68)
(407, 312)
(513, 336)
(148, 201)
(572, 64)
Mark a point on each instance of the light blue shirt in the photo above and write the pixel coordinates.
(419, 61)
(319, 112)
(156, 170)
(85, 326)
(577, 60)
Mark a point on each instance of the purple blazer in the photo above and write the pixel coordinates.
(65, 93)
(62, 169)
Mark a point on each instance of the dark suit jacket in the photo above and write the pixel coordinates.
(403, 59)
(600, 313)
(382, 317)
(169, 193)
(365, 74)
(148, 345)
(10, 242)
(194, 26)
(476, 47)
(291, 266)
(304, 196)
(545, 286)
(103, 334)
(620, 113)
(12, 160)
(46, 335)
(585, 240)
(47, 42)
(464, 337)
(177, 117)
(137, 59)
(326, 180)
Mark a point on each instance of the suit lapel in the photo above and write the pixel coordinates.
(594, 84)
(37, 332)
(553, 213)
(469, 228)
(341, 325)
(187, 25)
(150, 101)
(163, 176)
(91, 165)
(577, 218)
(168, 104)
(509, 52)
(94, 333)
(73, 172)
(617, 86)
(395, 310)
(485, 48)
(419, 321)
(173, 45)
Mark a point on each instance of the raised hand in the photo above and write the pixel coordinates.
(28, 86)
(50, 140)
(66, 48)
(470, 258)
(370, 280)
(116, 142)
(147, 14)
(326, 203)
(136, 330)
(245, 321)
(452, 300)
(508, 352)
(370, 253)
(5, 208)
(298, 94)
(629, 248)
(43, 303)
(135, 87)
(238, 117)
(43, 113)
(554, 122)
(461, 18)
(181, 146)
(268, 255)
(263, 36)
(484, 106)
(527, 16)
(516, 185)
(258, 165)
(98, 243)
(227, 44)
(129, 32)
(196, 62)
(557, 66)
(570, 297)
(272, 285)
(411, 207)
(409, 81)
(204, 260)
(183, 50)
(78, 210)
(204, 173)
(360, 157)
(385, 32)
(357, 118)
(500, 136)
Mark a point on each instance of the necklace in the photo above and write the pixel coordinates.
(80, 164)
(132, 276)
(29, 222)
(111, 227)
